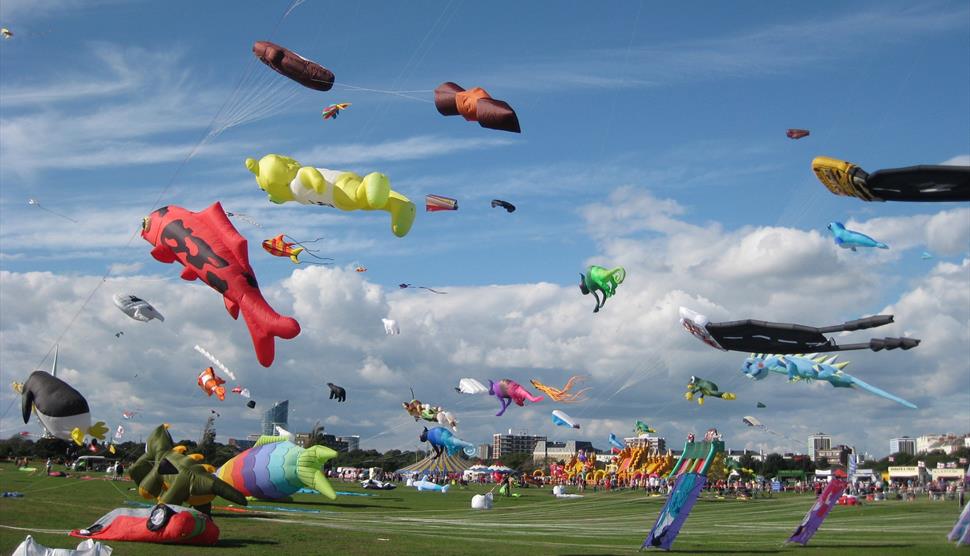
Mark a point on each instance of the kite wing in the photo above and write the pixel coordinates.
(504, 204)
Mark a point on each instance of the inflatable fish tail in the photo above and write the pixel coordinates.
(308, 467)
(294, 254)
(97, 430)
(265, 325)
(881, 245)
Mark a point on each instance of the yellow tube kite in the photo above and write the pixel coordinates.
(284, 179)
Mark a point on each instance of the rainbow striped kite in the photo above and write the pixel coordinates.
(434, 203)
(275, 468)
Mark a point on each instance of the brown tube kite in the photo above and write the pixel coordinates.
(290, 64)
(475, 105)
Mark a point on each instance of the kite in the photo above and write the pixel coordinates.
(164, 524)
(758, 336)
(504, 204)
(811, 367)
(279, 247)
(244, 392)
(359, 268)
(390, 327)
(425, 484)
(471, 386)
(119, 334)
(290, 64)
(442, 440)
(35, 203)
(244, 217)
(429, 412)
(6, 33)
(337, 393)
(562, 396)
(616, 443)
(686, 490)
(405, 286)
(640, 428)
(603, 280)
(212, 250)
(475, 105)
(960, 533)
(62, 410)
(251, 404)
(284, 179)
(699, 387)
(926, 256)
(276, 468)
(761, 405)
(508, 391)
(913, 183)
(212, 384)
(797, 133)
(166, 474)
(331, 112)
(561, 419)
(434, 203)
(753, 422)
(136, 308)
(815, 516)
(848, 239)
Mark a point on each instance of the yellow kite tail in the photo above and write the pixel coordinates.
(294, 253)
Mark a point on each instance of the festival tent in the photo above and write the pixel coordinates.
(443, 465)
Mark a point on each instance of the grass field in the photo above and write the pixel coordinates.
(404, 521)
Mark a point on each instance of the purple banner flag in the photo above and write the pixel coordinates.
(686, 490)
(814, 518)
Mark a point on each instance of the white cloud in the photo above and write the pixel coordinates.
(636, 356)
(959, 160)
(411, 148)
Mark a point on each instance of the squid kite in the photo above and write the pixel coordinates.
(699, 387)
(562, 396)
(284, 179)
(599, 279)
(475, 105)
(758, 336)
(914, 183)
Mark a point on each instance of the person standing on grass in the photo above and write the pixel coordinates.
(49, 466)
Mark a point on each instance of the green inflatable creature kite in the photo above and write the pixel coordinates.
(601, 279)
(167, 474)
(700, 387)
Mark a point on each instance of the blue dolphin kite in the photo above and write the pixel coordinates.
(847, 239)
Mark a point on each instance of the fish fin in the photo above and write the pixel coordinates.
(189, 274)
(232, 307)
(163, 254)
(216, 216)
(294, 254)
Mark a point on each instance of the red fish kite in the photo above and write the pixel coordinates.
(475, 105)
(797, 133)
(211, 249)
(290, 64)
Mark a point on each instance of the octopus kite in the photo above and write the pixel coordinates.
(562, 396)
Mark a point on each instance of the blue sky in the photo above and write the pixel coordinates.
(652, 133)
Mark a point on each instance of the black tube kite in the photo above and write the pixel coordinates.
(504, 204)
(913, 183)
(475, 105)
(290, 64)
(758, 336)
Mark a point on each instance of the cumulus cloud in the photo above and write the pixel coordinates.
(637, 358)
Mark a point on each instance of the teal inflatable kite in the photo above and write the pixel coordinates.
(275, 468)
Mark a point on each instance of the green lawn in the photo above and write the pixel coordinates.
(404, 521)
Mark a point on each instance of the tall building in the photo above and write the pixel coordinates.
(484, 452)
(556, 451)
(816, 442)
(507, 444)
(275, 415)
(653, 444)
(904, 445)
(353, 442)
